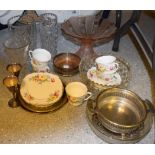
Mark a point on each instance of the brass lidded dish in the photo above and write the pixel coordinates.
(66, 64)
(120, 110)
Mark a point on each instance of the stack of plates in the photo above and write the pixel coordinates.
(42, 92)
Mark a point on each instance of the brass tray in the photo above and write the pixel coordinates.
(112, 137)
(43, 109)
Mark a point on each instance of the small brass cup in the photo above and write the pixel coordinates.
(11, 83)
(14, 68)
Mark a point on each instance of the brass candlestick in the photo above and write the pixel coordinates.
(11, 83)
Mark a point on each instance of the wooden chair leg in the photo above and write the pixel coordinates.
(118, 18)
(105, 14)
(116, 42)
(124, 29)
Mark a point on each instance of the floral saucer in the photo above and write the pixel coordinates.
(92, 76)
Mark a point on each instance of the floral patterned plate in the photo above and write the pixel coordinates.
(41, 89)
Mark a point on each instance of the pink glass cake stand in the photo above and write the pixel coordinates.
(88, 33)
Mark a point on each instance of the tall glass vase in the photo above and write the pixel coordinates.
(49, 32)
(45, 33)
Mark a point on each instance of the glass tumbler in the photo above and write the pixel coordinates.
(22, 31)
(16, 49)
(49, 32)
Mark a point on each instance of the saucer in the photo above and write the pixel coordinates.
(111, 71)
(92, 76)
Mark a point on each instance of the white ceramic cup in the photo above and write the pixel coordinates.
(77, 93)
(106, 64)
(39, 68)
(40, 56)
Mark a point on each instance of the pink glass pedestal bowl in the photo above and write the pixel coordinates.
(87, 32)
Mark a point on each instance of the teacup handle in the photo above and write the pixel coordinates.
(116, 64)
(89, 95)
(30, 54)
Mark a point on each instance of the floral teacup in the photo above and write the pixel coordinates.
(40, 56)
(106, 64)
(40, 59)
(77, 93)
